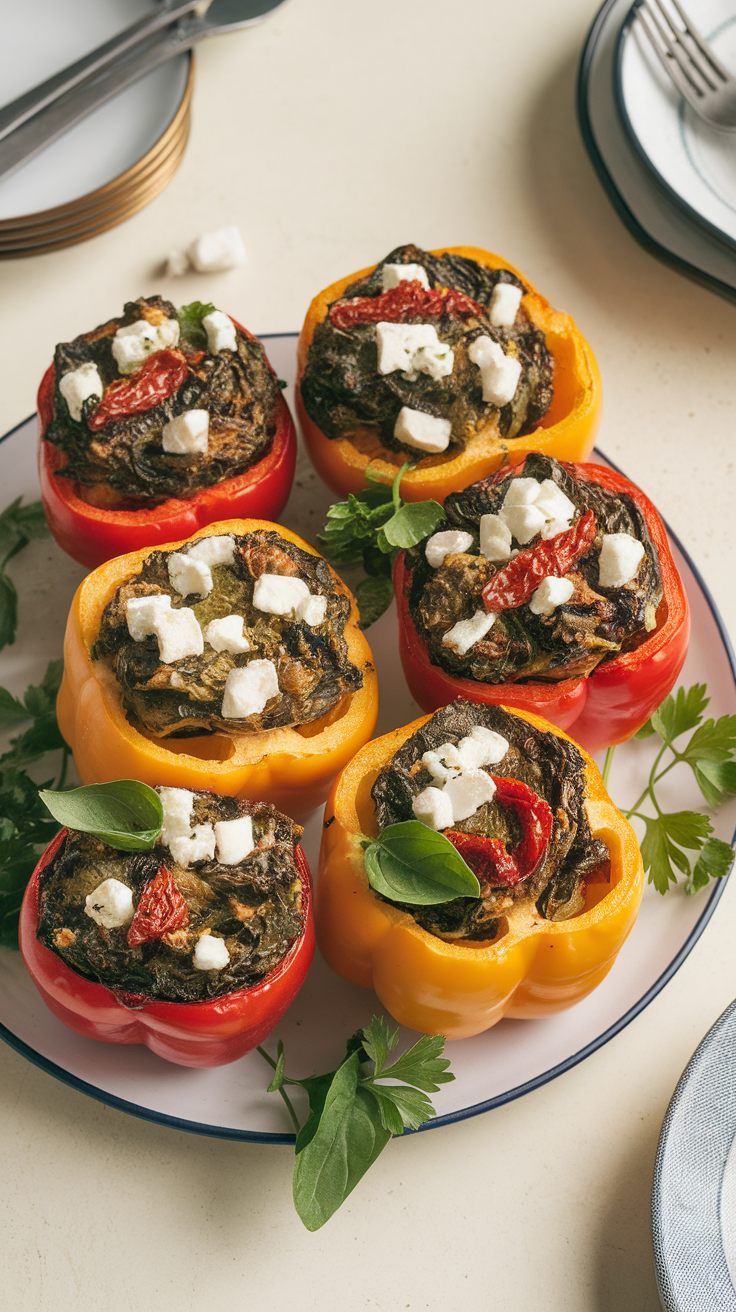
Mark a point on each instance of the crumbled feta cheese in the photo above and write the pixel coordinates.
(414, 348)
(619, 561)
(433, 807)
(551, 593)
(495, 538)
(226, 634)
(210, 953)
(444, 762)
(500, 373)
(217, 550)
(427, 432)
(134, 342)
(234, 840)
(393, 274)
(313, 610)
(79, 384)
(187, 434)
(220, 330)
(495, 745)
(524, 521)
(521, 492)
(178, 631)
(282, 594)
(553, 527)
(552, 502)
(178, 804)
(505, 303)
(189, 576)
(446, 544)
(469, 791)
(111, 904)
(248, 689)
(199, 845)
(464, 635)
(176, 264)
(214, 252)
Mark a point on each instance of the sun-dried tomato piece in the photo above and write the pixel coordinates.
(160, 376)
(513, 584)
(410, 302)
(161, 909)
(488, 858)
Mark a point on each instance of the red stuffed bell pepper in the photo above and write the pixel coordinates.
(148, 953)
(130, 491)
(600, 682)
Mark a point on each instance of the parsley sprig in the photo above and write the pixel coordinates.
(18, 525)
(369, 529)
(711, 755)
(353, 1113)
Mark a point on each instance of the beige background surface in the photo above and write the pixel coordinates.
(330, 134)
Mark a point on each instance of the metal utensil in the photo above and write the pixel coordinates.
(82, 70)
(689, 61)
(51, 123)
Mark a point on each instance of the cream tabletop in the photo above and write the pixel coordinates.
(331, 133)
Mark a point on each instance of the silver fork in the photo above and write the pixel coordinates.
(689, 61)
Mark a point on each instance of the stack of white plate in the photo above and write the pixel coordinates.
(671, 177)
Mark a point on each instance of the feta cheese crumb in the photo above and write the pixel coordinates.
(553, 503)
(443, 763)
(134, 342)
(178, 804)
(178, 631)
(524, 521)
(468, 792)
(234, 840)
(494, 744)
(189, 576)
(214, 252)
(111, 904)
(433, 807)
(464, 635)
(248, 689)
(282, 594)
(505, 303)
(393, 274)
(79, 384)
(217, 550)
(475, 751)
(521, 492)
(199, 845)
(176, 264)
(495, 538)
(226, 634)
(187, 434)
(210, 953)
(446, 544)
(427, 432)
(220, 330)
(413, 348)
(619, 561)
(500, 373)
(551, 593)
(313, 610)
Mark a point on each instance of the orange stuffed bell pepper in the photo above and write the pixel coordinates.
(262, 686)
(559, 872)
(474, 369)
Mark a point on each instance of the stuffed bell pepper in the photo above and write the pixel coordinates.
(549, 587)
(448, 358)
(195, 948)
(157, 423)
(232, 661)
(549, 882)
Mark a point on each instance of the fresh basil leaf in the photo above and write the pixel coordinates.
(190, 322)
(317, 1088)
(414, 521)
(125, 814)
(714, 862)
(374, 596)
(8, 611)
(409, 862)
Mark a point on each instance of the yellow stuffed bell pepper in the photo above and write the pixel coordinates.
(290, 766)
(526, 966)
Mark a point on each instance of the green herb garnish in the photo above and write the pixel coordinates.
(125, 814)
(18, 526)
(409, 862)
(352, 1116)
(190, 323)
(369, 529)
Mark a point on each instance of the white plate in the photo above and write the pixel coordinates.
(662, 223)
(492, 1068)
(39, 38)
(696, 162)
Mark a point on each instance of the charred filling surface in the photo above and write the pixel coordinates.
(553, 768)
(185, 698)
(343, 391)
(126, 458)
(595, 625)
(254, 906)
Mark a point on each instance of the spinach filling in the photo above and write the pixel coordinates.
(123, 464)
(343, 392)
(254, 905)
(553, 768)
(595, 625)
(186, 696)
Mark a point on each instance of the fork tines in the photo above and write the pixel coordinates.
(686, 57)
